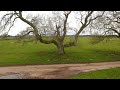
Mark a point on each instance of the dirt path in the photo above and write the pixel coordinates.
(52, 71)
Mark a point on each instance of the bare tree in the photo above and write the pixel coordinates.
(109, 23)
(85, 18)
(9, 19)
(55, 26)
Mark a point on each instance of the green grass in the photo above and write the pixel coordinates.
(14, 53)
(113, 73)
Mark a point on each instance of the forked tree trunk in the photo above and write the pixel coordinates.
(60, 49)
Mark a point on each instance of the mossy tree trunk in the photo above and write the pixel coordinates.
(61, 50)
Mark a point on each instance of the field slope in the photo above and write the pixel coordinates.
(113, 73)
(14, 53)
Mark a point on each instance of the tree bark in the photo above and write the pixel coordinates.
(118, 35)
(76, 39)
(77, 35)
(61, 49)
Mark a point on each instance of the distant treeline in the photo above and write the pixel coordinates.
(66, 35)
(95, 35)
(30, 36)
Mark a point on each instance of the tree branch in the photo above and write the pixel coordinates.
(27, 33)
(64, 27)
(95, 18)
(38, 37)
(6, 20)
(12, 24)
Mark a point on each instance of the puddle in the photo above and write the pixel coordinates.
(15, 76)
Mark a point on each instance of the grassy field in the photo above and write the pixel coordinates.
(100, 74)
(14, 53)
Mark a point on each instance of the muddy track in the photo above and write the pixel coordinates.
(59, 71)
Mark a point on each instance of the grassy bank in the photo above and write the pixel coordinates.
(14, 53)
(100, 74)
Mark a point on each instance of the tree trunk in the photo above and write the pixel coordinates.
(118, 35)
(76, 39)
(73, 43)
(77, 35)
(60, 49)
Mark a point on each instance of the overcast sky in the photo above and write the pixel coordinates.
(20, 25)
